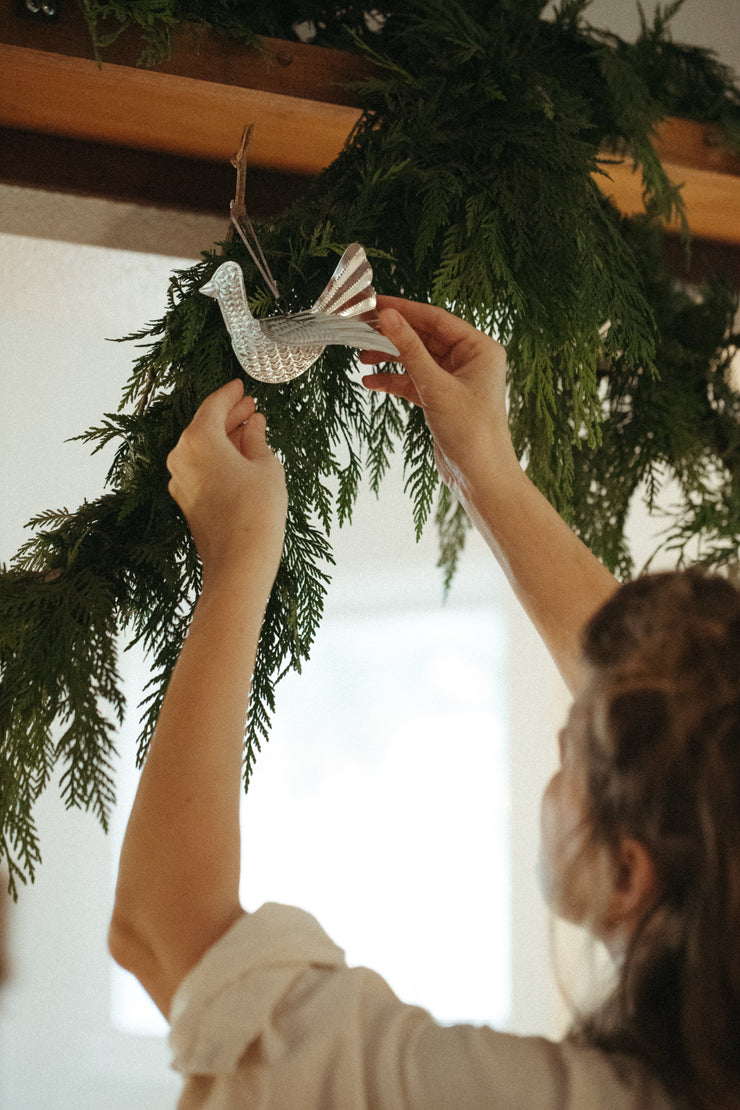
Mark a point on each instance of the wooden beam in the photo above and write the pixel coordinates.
(694, 159)
(195, 105)
(189, 113)
(149, 110)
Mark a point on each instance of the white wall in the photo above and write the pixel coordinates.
(58, 375)
(711, 24)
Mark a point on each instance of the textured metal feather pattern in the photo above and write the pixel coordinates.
(281, 348)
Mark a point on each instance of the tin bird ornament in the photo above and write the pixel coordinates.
(280, 348)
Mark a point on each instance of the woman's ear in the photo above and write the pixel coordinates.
(635, 885)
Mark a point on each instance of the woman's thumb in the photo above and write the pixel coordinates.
(417, 362)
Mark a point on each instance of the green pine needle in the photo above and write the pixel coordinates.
(468, 179)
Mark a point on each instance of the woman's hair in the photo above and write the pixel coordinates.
(663, 764)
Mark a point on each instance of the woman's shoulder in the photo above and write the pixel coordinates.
(277, 979)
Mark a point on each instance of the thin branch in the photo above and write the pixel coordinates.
(240, 217)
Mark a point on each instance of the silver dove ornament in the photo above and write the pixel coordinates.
(280, 348)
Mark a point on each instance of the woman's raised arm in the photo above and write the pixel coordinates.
(178, 878)
(458, 376)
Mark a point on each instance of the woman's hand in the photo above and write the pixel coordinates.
(229, 484)
(458, 376)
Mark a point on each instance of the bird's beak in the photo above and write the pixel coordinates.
(209, 289)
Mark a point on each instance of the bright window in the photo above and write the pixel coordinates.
(381, 805)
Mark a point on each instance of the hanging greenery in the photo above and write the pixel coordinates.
(468, 179)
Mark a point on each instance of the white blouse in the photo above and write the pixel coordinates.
(273, 1019)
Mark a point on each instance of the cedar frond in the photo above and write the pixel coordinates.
(468, 179)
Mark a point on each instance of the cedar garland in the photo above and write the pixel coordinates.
(468, 180)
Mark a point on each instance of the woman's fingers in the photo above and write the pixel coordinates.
(252, 437)
(214, 410)
(228, 408)
(419, 364)
(438, 329)
(421, 316)
(426, 338)
(226, 417)
(399, 385)
(240, 413)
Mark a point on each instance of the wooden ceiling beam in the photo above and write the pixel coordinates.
(195, 105)
(78, 123)
(694, 159)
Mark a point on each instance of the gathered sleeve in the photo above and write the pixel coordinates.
(272, 1018)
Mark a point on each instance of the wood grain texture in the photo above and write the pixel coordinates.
(193, 108)
(694, 159)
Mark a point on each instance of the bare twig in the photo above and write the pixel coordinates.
(240, 218)
(239, 162)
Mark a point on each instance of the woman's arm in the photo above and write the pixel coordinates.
(458, 376)
(178, 880)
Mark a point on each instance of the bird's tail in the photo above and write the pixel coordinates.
(350, 289)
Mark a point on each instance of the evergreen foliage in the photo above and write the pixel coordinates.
(468, 180)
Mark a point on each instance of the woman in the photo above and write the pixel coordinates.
(640, 826)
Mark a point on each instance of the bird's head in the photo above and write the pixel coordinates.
(224, 282)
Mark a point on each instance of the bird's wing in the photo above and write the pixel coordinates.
(322, 329)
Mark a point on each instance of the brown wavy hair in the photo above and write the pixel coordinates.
(663, 765)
